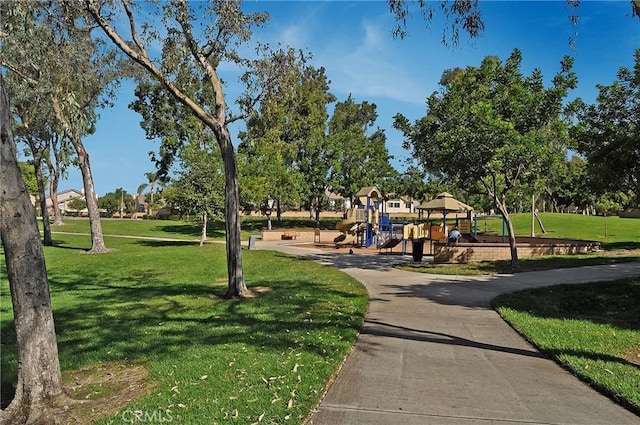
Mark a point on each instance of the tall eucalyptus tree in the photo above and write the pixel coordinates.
(198, 38)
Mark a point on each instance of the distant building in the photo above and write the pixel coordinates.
(400, 205)
(64, 198)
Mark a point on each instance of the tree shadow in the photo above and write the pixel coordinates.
(65, 245)
(164, 243)
(621, 245)
(215, 229)
(345, 260)
(379, 328)
(140, 315)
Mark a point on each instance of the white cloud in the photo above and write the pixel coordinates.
(368, 67)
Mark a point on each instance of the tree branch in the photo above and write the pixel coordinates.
(29, 80)
(183, 19)
(143, 60)
(132, 27)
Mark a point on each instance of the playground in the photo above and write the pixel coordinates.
(446, 229)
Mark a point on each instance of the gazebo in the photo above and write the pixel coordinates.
(444, 203)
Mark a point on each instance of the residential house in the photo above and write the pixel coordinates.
(64, 198)
(400, 204)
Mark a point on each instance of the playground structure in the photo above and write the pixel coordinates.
(361, 224)
(365, 226)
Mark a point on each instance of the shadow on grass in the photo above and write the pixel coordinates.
(215, 229)
(165, 243)
(621, 245)
(615, 303)
(65, 245)
(141, 316)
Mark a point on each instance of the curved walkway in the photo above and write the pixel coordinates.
(432, 351)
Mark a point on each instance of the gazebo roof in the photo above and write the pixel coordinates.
(444, 202)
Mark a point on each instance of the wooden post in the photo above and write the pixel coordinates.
(533, 215)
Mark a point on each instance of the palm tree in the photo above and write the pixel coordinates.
(152, 178)
(141, 189)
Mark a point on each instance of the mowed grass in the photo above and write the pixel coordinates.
(169, 229)
(266, 359)
(622, 233)
(185, 229)
(592, 329)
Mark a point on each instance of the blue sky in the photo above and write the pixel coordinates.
(352, 40)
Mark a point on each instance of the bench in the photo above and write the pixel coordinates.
(290, 235)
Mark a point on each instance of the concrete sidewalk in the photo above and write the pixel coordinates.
(432, 351)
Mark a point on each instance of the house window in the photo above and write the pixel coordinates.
(393, 204)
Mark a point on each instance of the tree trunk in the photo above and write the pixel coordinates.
(54, 179)
(278, 211)
(501, 205)
(236, 284)
(97, 241)
(53, 194)
(203, 235)
(46, 224)
(318, 200)
(39, 383)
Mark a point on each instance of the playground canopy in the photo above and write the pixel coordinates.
(444, 202)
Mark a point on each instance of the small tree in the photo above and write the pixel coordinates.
(192, 51)
(117, 201)
(77, 205)
(609, 204)
(198, 188)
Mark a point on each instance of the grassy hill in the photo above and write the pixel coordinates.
(621, 233)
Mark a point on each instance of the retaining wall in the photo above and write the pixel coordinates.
(474, 252)
(306, 235)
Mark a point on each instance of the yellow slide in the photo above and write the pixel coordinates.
(343, 225)
(348, 239)
(349, 228)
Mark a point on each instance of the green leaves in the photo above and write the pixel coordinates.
(608, 133)
(490, 121)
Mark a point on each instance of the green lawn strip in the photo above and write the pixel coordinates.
(179, 229)
(212, 360)
(592, 329)
(526, 265)
(170, 229)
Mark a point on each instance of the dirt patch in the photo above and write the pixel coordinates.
(633, 357)
(101, 391)
(254, 292)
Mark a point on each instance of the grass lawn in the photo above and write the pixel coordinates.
(592, 329)
(152, 304)
(180, 229)
(622, 233)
